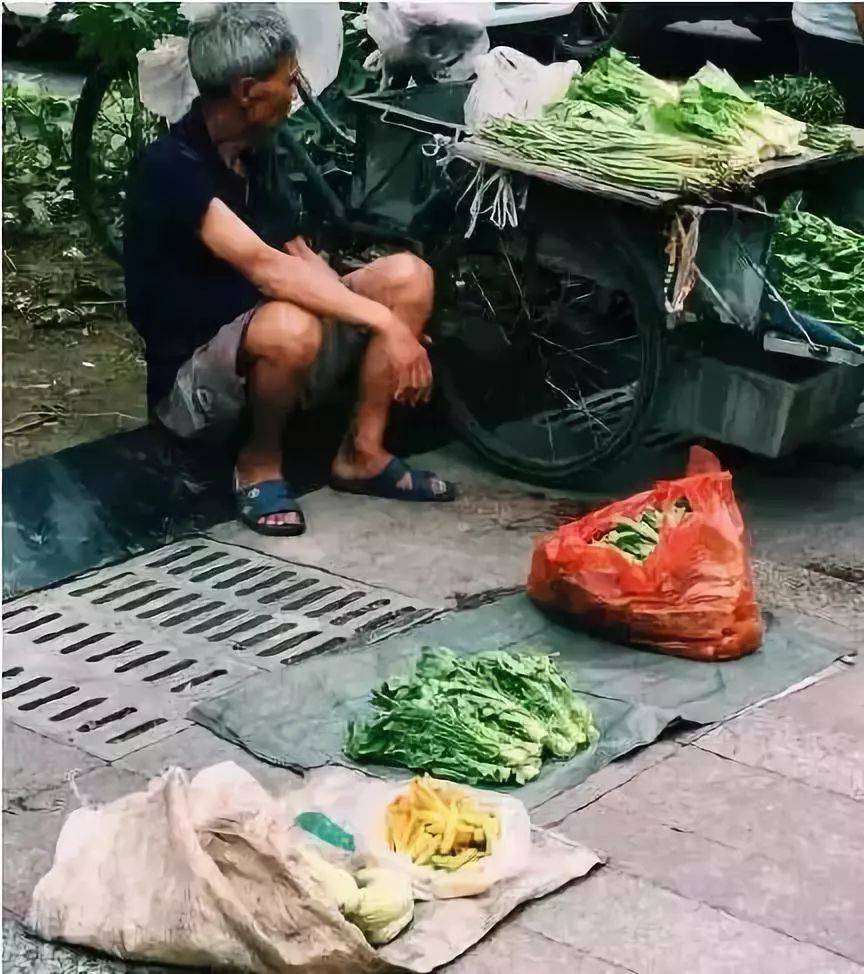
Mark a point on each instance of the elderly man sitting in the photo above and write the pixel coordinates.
(231, 322)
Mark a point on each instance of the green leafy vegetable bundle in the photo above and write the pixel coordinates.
(621, 125)
(805, 97)
(818, 269)
(621, 86)
(812, 100)
(492, 717)
(713, 106)
(829, 138)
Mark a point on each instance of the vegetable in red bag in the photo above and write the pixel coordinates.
(692, 595)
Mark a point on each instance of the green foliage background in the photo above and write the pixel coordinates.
(37, 125)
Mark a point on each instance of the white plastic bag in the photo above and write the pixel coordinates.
(200, 874)
(512, 83)
(358, 804)
(446, 38)
(317, 28)
(166, 84)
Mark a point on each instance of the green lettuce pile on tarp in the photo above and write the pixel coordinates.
(492, 717)
(818, 269)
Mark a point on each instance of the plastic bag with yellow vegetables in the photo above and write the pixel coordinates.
(449, 839)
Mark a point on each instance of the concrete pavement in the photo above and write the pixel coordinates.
(736, 848)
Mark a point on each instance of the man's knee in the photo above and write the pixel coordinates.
(284, 331)
(409, 274)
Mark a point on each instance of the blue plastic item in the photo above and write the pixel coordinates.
(325, 829)
(820, 332)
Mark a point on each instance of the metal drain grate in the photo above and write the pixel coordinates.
(112, 661)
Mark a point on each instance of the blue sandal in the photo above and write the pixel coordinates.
(265, 498)
(425, 485)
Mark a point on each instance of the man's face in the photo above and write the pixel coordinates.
(267, 102)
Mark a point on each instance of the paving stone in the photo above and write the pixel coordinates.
(196, 748)
(815, 735)
(748, 808)
(481, 542)
(513, 948)
(30, 831)
(605, 780)
(801, 511)
(631, 922)
(837, 604)
(762, 845)
(32, 762)
(785, 895)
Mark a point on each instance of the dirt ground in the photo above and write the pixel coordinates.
(72, 365)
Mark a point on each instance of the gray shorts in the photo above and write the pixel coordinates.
(209, 393)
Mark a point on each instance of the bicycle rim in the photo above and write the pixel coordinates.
(109, 131)
(543, 373)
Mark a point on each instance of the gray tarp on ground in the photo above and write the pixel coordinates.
(298, 718)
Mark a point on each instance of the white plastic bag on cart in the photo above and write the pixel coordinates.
(359, 806)
(166, 84)
(203, 873)
(512, 83)
(447, 38)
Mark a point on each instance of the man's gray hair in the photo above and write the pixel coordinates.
(238, 40)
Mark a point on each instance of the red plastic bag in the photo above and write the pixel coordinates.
(692, 596)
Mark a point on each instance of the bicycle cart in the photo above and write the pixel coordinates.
(605, 315)
(603, 319)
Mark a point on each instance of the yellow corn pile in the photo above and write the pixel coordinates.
(439, 825)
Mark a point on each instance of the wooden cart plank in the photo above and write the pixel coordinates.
(479, 152)
(808, 161)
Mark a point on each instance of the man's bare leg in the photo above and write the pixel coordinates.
(280, 346)
(404, 284)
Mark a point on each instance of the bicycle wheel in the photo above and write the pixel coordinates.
(109, 131)
(545, 373)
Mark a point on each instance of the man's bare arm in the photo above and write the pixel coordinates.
(284, 277)
(858, 9)
(315, 287)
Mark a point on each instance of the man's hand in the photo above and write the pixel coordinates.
(412, 372)
(299, 275)
(299, 248)
(307, 280)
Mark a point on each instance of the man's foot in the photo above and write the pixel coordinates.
(252, 473)
(391, 478)
(352, 463)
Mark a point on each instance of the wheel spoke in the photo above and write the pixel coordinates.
(541, 368)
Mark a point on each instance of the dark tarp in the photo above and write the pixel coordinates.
(298, 718)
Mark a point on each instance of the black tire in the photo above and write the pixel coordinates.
(589, 35)
(510, 372)
(83, 185)
(99, 187)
